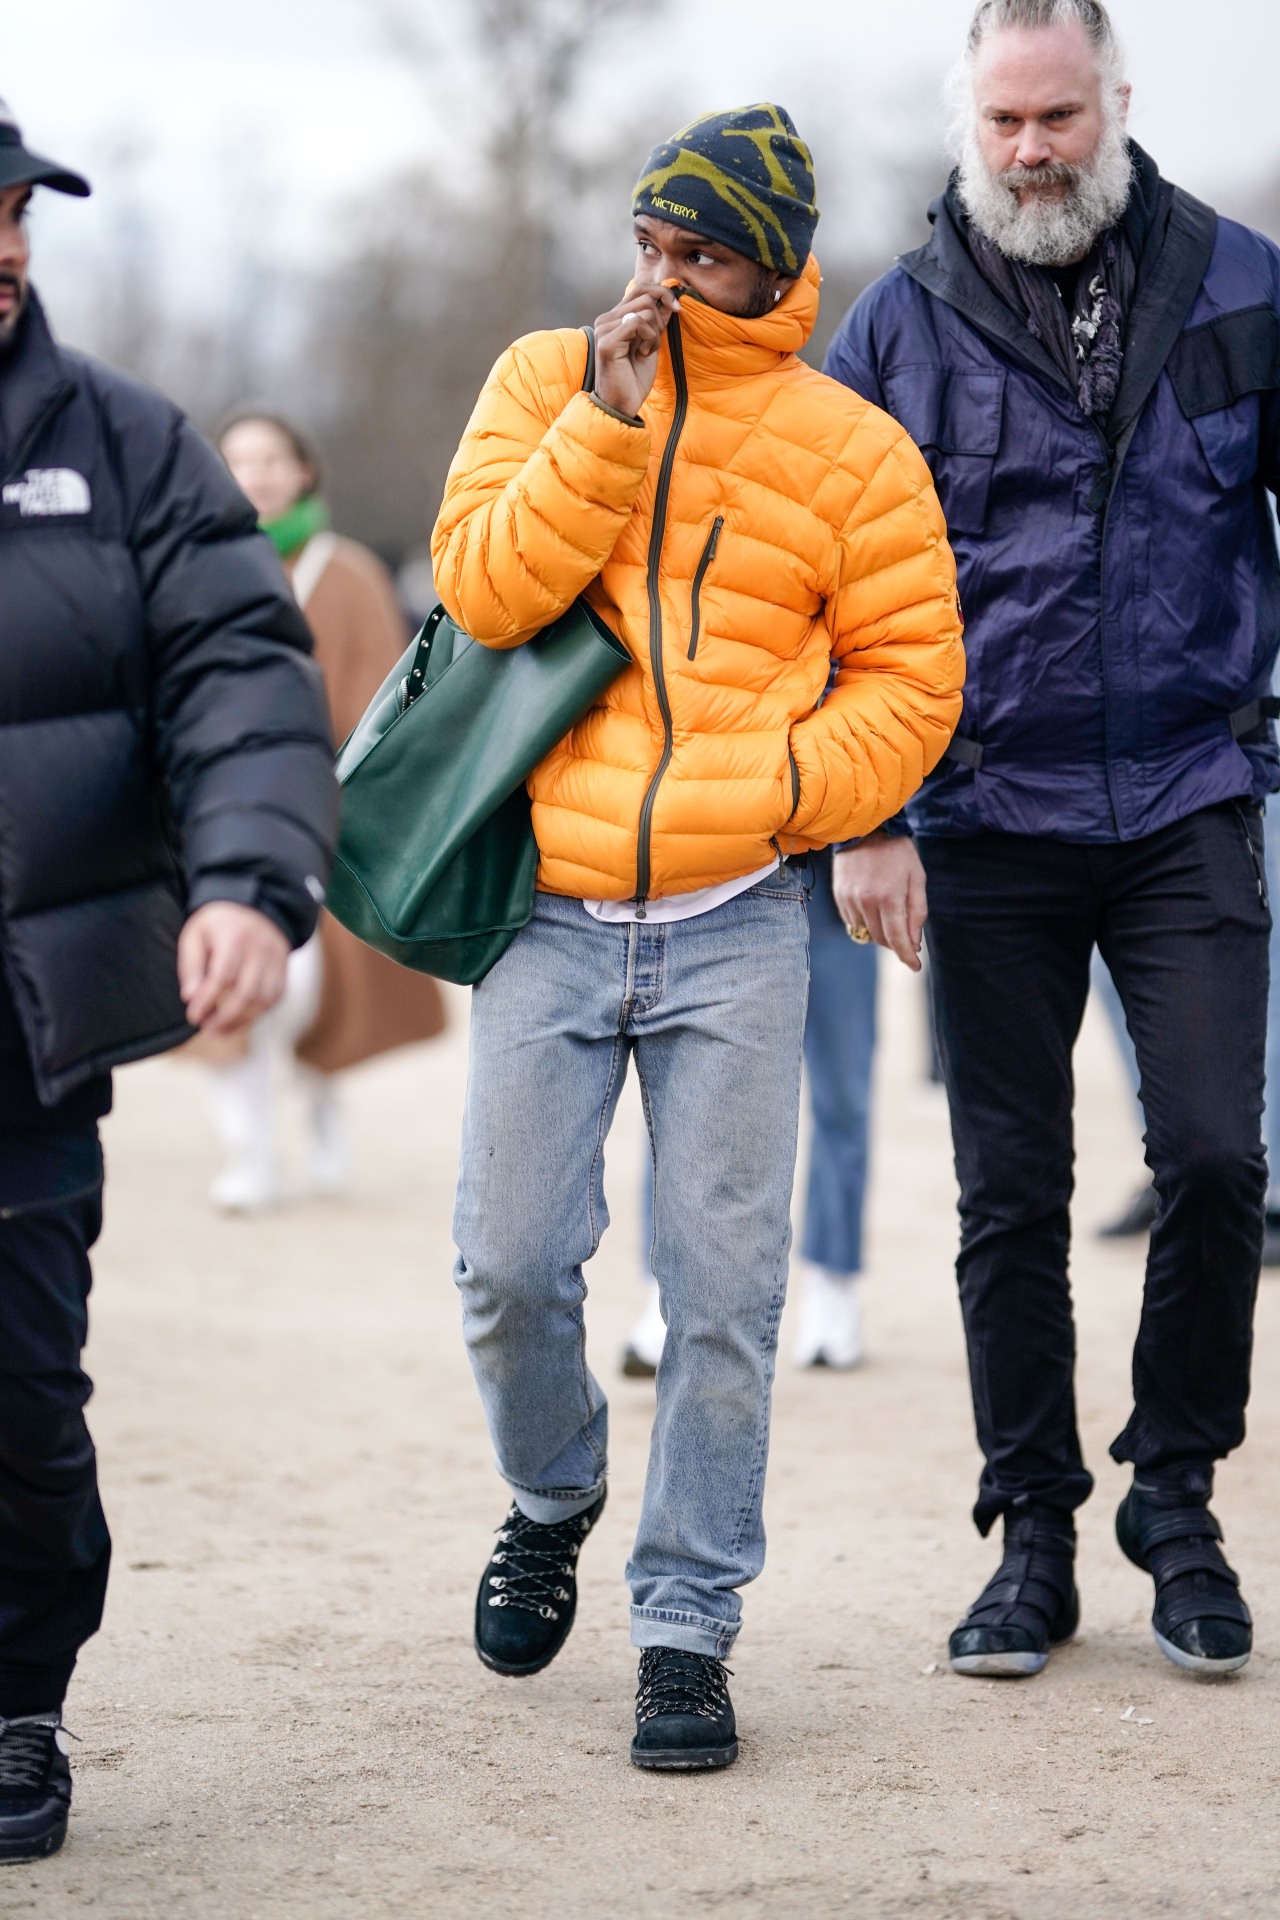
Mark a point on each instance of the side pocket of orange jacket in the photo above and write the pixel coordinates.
(708, 555)
(794, 764)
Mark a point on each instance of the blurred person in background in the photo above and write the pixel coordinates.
(1089, 358)
(343, 1003)
(167, 809)
(742, 523)
(839, 1050)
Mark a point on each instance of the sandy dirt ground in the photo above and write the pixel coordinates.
(283, 1715)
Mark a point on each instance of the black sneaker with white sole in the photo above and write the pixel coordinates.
(1030, 1606)
(529, 1591)
(1201, 1621)
(35, 1787)
(684, 1716)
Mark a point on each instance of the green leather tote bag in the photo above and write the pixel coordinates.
(436, 858)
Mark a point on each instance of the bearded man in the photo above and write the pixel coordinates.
(771, 551)
(1089, 359)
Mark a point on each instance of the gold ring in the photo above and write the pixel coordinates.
(862, 935)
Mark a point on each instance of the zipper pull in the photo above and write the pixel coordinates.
(640, 912)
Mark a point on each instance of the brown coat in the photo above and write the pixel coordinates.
(367, 1003)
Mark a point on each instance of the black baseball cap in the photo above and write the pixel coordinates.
(20, 168)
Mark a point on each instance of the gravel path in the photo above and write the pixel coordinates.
(283, 1715)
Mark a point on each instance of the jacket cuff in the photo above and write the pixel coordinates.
(627, 419)
(244, 890)
(898, 828)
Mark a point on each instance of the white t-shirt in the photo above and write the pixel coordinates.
(679, 906)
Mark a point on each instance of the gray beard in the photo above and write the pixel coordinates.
(1047, 232)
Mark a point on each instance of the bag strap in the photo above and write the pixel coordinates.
(416, 679)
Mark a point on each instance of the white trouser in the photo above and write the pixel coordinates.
(245, 1092)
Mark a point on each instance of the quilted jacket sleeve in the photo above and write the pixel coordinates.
(241, 730)
(893, 615)
(538, 493)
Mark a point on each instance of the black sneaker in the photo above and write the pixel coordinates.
(529, 1591)
(684, 1716)
(1200, 1622)
(1029, 1606)
(35, 1787)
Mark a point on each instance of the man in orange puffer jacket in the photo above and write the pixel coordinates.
(772, 553)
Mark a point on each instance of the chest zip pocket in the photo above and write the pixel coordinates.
(708, 555)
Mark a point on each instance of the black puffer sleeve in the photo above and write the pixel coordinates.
(240, 724)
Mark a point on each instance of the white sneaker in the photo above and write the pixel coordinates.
(648, 1337)
(329, 1155)
(246, 1186)
(830, 1332)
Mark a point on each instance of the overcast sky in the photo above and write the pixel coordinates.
(211, 99)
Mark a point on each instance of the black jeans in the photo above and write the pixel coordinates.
(54, 1545)
(1183, 922)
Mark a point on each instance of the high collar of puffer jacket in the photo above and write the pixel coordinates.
(721, 347)
(33, 379)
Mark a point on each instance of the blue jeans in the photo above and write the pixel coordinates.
(713, 1011)
(839, 1051)
(839, 1045)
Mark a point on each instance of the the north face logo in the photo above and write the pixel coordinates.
(49, 490)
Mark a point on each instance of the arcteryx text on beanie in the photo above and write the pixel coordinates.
(744, 178)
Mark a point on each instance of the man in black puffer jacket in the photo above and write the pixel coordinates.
(167, 807)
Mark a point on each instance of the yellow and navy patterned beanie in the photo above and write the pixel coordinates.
(743, 178)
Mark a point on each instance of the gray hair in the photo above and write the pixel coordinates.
(994, 16)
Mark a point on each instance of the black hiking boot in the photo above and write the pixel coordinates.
(1201, 1622)
(1030, 1606)
(684, 1716)
(529, 1591)
(35, 1787)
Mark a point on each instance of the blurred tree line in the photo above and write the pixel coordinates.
(515, 218)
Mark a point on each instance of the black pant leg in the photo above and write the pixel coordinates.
(1186, 935)
(1011, 923)
(54, 1546)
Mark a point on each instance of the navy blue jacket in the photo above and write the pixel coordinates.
(1121, 589)
(163, 736)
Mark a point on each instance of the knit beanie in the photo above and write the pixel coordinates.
(743, 178)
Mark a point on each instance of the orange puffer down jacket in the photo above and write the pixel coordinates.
(761, 524)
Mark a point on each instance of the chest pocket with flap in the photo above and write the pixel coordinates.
(955, 419)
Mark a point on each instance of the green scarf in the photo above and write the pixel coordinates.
(291, 532)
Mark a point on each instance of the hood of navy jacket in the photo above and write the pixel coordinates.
(1120, 582)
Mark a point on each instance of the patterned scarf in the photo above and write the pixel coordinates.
(1085, 338)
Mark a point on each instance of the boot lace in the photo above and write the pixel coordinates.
(24, 1752)
(537, 1564)
(675, 1682)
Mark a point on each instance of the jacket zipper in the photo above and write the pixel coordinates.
(795, 786)
(656, 534)
(708, 555)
